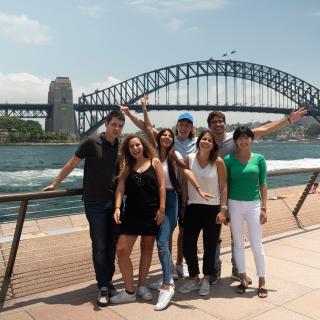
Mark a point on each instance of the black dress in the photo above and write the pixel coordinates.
(141, 204)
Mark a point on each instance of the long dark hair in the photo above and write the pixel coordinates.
(126, 160)
(170, 156)
(214, 153)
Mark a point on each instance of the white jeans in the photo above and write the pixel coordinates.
(250, 211)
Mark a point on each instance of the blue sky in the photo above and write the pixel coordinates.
(98, 43)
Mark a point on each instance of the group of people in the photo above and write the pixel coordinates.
(201, 182)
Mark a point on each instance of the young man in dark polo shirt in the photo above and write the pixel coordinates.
(99, 184)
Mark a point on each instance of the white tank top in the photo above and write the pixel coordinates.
(208, 181)
(166, 169)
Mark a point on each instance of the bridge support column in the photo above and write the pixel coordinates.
(62, 118)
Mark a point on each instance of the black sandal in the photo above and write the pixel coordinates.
(241, 288)
(262, 292)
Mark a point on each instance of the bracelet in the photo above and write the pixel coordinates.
(116, 208)
(288, 118)
(198, 187)
(263, 208)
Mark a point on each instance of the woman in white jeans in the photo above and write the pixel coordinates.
(247, 198)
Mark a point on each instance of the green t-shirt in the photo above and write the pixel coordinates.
(244, 180)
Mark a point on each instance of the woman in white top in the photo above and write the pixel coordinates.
(171, 160)
(204, 215)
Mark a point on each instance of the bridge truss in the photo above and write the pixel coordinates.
(224, 85)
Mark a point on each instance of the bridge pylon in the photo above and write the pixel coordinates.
(62, 117)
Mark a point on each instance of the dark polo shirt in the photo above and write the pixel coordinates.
(100, 167)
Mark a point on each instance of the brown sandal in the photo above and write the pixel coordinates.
(262, 292)
(241, 288)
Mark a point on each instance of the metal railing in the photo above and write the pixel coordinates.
(24, 198)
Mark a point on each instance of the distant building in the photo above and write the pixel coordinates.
(4, 136)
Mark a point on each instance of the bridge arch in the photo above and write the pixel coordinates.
(130, 91)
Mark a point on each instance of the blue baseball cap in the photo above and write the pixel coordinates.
(186, 116)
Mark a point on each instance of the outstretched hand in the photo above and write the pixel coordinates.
(297, 114)
(49, 188)
(205, 195)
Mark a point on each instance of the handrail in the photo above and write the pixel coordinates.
(285, 172)
(40, 195)
(78, 191)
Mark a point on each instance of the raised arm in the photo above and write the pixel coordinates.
(136, 121)
(147, 123)
(65, 171)
(279, 124)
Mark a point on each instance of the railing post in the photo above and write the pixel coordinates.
(305, 193)
(13, 251)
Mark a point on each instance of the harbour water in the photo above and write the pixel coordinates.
(30, 168)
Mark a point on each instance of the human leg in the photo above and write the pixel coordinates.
(192, 228)
(103, 234)
(237, 215)
(124, 249)
(146, 247)
(164, 235)
(255, 236)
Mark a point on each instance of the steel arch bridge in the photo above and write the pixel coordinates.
(247, 87)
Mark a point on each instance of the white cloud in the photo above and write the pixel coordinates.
(23, 29)
(175, 24)
(25, 87)
(93, 10)
(168, 7)
(315, 14)
(88, 88)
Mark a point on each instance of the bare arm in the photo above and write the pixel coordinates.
(137, 122)
(65, 171)
(263, 213)
(184, 191)
(279, 124)
(147, 123)
(222, 178)
(188, 174)
(118, 199)
(162, 189)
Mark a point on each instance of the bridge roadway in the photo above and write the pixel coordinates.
(293, 268)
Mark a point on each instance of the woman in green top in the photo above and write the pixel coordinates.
(247, 198)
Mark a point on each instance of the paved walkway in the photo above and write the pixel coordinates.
(293, 266)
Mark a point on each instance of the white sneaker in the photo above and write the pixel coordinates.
(123, 297)
(182, 270)
(144, 293)
(164, 298)
(189, 286)
(158, 284)
(204, 288)
(103, 297)
(174, 275)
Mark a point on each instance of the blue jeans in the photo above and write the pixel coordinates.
(103, 234)
(166, 228)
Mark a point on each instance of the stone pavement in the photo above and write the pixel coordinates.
(293, 267)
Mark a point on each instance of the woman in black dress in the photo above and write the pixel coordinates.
(142, 180)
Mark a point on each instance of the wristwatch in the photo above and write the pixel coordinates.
(225, 208)
(263, 208)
